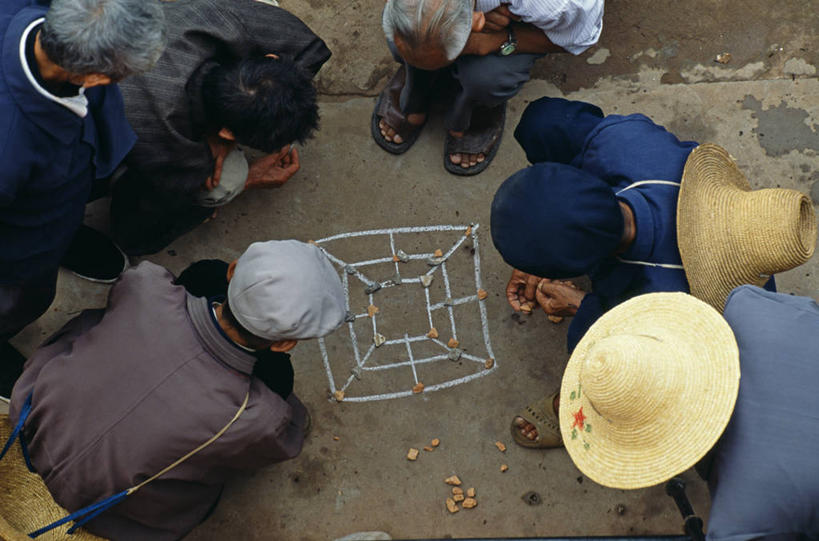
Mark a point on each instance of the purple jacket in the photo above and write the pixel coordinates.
(120, 393)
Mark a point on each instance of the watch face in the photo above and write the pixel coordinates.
(508, 48)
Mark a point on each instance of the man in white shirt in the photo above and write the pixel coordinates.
(488, 48)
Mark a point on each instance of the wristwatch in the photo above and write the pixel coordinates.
(510, 45)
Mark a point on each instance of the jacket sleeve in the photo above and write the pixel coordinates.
(14, 155)
(270, 430)
(590, 310)
(555, 129)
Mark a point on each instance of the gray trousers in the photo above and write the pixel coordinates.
(485, 81)
(20, 304)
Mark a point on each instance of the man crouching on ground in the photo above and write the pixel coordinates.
(120, 393)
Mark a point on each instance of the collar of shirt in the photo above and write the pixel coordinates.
(213, 338)
(51, 115)
(76, 104)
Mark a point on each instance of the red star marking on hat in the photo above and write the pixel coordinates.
(578, 419)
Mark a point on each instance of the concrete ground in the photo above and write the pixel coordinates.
(655, 58)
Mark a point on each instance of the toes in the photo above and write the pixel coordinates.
(455, 158)
(519, 421)
(397, 139)
(481, 158)
(465, 161)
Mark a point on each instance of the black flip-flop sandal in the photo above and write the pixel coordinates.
(386, 108)
(483, 137)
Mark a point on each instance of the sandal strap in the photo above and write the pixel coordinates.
(388, 107)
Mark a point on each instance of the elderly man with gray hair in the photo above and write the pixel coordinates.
(168, 367)
(64, 129)
(488, 47)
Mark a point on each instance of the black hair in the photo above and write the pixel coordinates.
(266, 102)
(250, 340)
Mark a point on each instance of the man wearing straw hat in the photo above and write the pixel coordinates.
(654, 383)
(120, 394)
(604, 198)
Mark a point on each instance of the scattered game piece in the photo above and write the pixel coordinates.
(453, 343)
(438, 253)
(452, 480)
(379, 339)
(501, 447)
(339, 395)
(433, 333)
(482, 294)
(555, 319)
(426, 280)
(503, 468)
(469, 503)
(470, 493)
(436, 442)
(458, 497)
(372, 288)
(419, 387)
(489, 363)
(451, 505)
(428, 448)
(412, 454)
(457, 490)
(372, 310)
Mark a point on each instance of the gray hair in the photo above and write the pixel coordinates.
(445, 23)
(116, 38)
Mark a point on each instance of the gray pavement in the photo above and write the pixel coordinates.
(655, 58)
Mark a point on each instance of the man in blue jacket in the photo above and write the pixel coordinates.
(63, 128)
(600, 200)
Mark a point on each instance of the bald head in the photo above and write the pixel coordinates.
(429, 34)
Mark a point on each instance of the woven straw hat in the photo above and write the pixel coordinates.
(729, 235)
(648, 390)
(25, 503)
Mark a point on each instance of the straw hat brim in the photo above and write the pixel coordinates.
(694, 414)
(25, 503)
(725, 236)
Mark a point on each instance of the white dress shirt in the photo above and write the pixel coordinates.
(574, 25)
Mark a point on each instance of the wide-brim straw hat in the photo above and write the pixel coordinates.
(648, 390)
(729, 235)
(25, 503)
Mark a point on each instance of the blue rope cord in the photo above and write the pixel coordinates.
(93, 509)
(17, 429)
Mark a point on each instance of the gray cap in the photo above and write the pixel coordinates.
(286, 290)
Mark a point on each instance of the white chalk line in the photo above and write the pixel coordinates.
(411, 359)
(453, 302)
(396, 230)
(482, 306)
(412, 362)
(448, 296)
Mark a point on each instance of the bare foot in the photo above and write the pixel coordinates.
(416, 119)
(465, 160)
(527, 429)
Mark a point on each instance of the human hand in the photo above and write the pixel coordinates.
(558, 298)
(499, 19)
(219, 149)
(484, 43)
(520, 291)
(273, 170)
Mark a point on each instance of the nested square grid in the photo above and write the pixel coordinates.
(355, 274)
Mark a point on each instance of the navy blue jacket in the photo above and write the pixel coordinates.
(622, 151)
(50, 156)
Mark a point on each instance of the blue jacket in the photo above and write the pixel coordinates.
(50, 155)
(622, 151)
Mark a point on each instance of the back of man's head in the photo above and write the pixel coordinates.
(425, 28)
(116, 38)
(265, 102)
